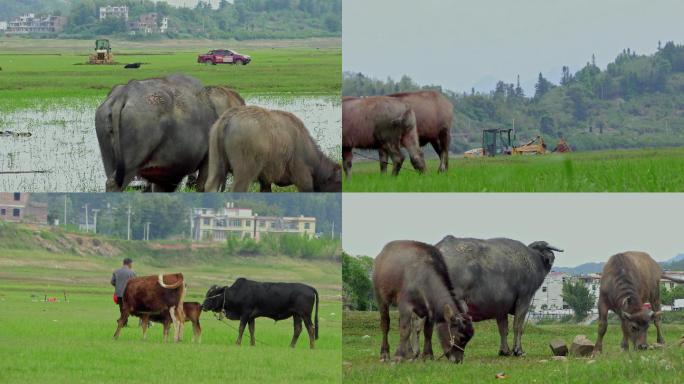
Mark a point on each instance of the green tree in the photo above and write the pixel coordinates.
(356, 284)
(541, 87)
(578, 297)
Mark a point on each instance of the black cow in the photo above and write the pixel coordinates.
(246, 300)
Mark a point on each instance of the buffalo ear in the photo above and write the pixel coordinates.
(626, 316)
(448, 312)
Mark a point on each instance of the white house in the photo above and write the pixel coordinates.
(119, 12)
(548, 296)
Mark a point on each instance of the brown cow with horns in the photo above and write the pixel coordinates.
(155, 295)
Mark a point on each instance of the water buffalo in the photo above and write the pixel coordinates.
(381, 123)
(434, 116)
(155, 295)
(246, 300)
(273, 147)
(630, 287)
(413, 276)
(497, 278)
(159, 129)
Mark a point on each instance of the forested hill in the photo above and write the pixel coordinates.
(240, 19)
(637, 101)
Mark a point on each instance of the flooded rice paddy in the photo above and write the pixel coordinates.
(63, 155)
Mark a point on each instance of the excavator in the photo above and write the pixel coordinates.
(103, 53)
(499, 142)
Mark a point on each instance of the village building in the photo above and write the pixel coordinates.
(30, 23)
(218, 225)
(117, 12)
(149, 23)
(549, 295)
(20, 208)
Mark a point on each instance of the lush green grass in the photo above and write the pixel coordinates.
(361, 364)
(52, 75)
(72, 342)
(644, 170)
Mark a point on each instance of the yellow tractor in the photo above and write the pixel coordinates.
(498, 142)
(103, 53)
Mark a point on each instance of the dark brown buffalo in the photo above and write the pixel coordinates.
(192, 311)
(434, 116)
(154, 295)
(413, 276)
(630, 287)
(381, 123)
(158, 129)
(272, 147)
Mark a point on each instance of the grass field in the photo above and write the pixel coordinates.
(71, 342)
(643, 170)
(54, 69)
(361, 364)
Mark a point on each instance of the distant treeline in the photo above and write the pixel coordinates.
(291, 245)
(638, 101)
(170, 213)
(241, 20)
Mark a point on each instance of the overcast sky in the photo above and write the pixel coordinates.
(589, 227)
(462, 44)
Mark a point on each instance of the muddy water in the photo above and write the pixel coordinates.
(63, 155)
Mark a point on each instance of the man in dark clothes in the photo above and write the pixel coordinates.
(120, 279)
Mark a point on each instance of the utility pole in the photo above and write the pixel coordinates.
(146, 235)
(332, 231)
(128, 232)
(190, 223)
(95, 211)
(86, 212)
(65, 206)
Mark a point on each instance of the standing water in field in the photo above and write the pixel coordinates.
(63, 155)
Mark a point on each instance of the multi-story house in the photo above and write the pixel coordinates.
(218, 225)
(19, 208)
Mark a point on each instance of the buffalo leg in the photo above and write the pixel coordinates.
(165, 333)
(502, 323)
(347, 157)
(250, 323)
(397, 158)
(202, 175)
(444, 142)
(301, 177)
(404, 331)
(602, 325)
(384, 328)
(624, 344)
(656, 322)
(518, 325)
(244, 174)
(384, 160)
(243, 323)
(196, 331)
(145, 322)
(297, 330)
(121, 322)
(310, 330)
(176, 328)
(414, 338)
(264, 185)
(427, 335)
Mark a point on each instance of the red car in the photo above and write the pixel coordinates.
(223, 56)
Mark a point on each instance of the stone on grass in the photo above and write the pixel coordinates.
(558, 347)
(581, 346)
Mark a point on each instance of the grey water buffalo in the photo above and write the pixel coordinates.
(158, 129)
(413, 276)
(246, 300)
(434, 116)
(155, 295)
(497, 277)
(630, 287)
(271, 147)
(381, 123)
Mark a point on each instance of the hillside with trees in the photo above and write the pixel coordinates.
(637, 101)
(240, 20)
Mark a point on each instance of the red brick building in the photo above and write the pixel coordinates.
(18, 207)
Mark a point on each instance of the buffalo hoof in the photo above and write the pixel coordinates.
(504, 352)
(518, 352)
(428, 356)
(384, 357)
(398, 358)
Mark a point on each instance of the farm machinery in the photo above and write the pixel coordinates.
(103, 53)
(499, 142)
